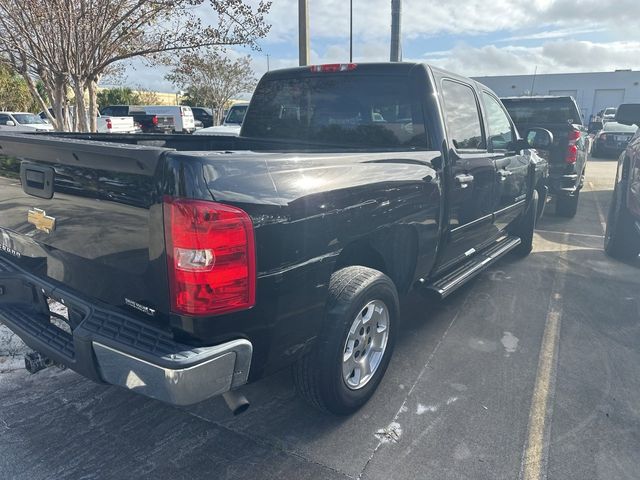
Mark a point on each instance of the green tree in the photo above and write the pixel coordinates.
(212, 79)
(116, 96)
(14, 92)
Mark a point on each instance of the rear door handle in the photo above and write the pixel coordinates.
(464, 179)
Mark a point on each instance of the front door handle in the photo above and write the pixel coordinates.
(464, 179)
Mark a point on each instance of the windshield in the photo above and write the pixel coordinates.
(542, 110)
(339, 110)
(28, 119)
(236, 114)
(619, 127)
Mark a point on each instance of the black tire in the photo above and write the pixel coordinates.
(567, 206)
(621, 240)
(319, 374)
(526, 227)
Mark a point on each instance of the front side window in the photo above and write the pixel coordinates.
(462, 116)
(27, 118)
(338, 110)
(4, 119)
(500, 131)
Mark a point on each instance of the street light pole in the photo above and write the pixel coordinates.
(303, 31)
(350, 31)
(396, 11)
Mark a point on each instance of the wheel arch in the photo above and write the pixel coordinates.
(393, 252)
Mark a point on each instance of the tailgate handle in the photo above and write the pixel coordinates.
(37, 180)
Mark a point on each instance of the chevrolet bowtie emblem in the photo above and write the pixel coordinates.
(41, 221)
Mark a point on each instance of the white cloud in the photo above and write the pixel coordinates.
(550, 25)
(558, 56)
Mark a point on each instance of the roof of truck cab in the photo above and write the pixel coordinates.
(378, 68)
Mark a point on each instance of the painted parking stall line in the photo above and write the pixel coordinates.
(536, 452)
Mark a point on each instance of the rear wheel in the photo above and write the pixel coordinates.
(351, 355)
(568, 206)
(621, 239)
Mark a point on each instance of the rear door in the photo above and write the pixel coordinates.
(511, 166)
(471, 176)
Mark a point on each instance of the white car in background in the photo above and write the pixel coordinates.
(184, 121)
(23, 122)
(232, 122)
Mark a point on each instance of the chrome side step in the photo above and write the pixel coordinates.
(450, 282)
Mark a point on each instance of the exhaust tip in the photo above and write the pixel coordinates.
(236, 402)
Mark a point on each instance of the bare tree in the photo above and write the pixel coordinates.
(212, 79)
(71, 44)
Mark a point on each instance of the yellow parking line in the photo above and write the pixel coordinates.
(534, 458)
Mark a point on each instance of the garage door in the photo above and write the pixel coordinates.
(607, 98)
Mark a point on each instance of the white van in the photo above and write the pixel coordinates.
(183, 116)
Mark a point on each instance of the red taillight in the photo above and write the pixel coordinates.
(572, 149)
(211, 257)
(109, 124)
(154, 120)
(574, 136)
(333, 67)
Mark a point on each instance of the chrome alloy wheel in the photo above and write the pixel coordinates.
(365, 345)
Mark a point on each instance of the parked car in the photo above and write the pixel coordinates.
(183, 119)
(622, 237)
(23, 122)
(203, 115)
(612, 140)
(570, 151)
(147, 122)
(609, 114)
(288, 245)
(231, 124)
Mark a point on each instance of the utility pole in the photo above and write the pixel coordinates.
(303, 31)
(351, 31)
(396, 13)
(268, 66)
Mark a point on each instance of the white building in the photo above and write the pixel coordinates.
(592, 91)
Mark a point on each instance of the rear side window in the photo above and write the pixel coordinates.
(500, 131)
(462, 116)
(337, 110)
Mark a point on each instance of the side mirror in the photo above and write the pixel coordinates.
(628, 114)
(540, 138)
(10, 123)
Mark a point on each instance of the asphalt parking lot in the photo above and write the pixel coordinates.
(529, 372)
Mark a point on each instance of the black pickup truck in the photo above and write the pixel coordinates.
(570, 151)
(185, 267)
(148, 123)
(622, 238)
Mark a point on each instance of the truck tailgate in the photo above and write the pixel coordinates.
(85, 215)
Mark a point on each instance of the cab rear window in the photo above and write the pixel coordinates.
(337, 110)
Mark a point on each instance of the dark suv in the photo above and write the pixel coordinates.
(622, 239)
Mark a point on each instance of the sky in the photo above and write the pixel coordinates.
(470, 37)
